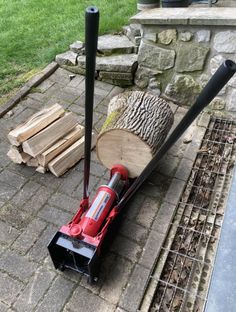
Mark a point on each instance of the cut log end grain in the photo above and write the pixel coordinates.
(124, 148)
(136, 126)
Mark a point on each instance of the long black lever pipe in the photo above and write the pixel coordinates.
(213, 87)
(91, 38)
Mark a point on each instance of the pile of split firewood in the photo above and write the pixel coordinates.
(51, 139)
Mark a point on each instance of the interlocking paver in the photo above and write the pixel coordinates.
(53, 99)
(6, 193)
(133, 231)
(164, 217)
(45, 85)
(28, 112)
(159, 180)
(120, 310)
(38, 200)
(191, 150)
(54, 215)
(70, 181)
(87, 301)
(14, 216)
(80, 101)
(3, 307)
(168, 165)
(22, 169)
(116, 280)
(73, 90)
(105, 269)
(76, 81)
(93, 182)
(66, 96)
(61, 76)
(184, 169)
(34, 206)
(25, 193)
(9, 289)
(49, 181)
(101, 86)
(150, 189)
(151, 249)
(57, 295)
(17, 265)
(29, 236)
(13, 179)
(126, 248)
(7, 233)
(35, 289)
(114, 91)
(31, 103)
(76, 109)
(102, 108)
(147, 212)
(132, 295)
(133, 207)
(39, 252)
(97, 169)
(175, 191)
(4, 160)
(64, 202)
(38, 96)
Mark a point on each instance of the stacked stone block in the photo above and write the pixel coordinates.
(181, 49)
(116, 59)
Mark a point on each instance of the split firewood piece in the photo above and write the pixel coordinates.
(17, 155)
(61, 145)
(69, 157)
(35, 123)
(45, 138)
(136, 126)
(41, 169)
(32, 162)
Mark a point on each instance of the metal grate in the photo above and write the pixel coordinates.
(183, 271)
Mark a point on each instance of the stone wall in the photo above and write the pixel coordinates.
(181, 48)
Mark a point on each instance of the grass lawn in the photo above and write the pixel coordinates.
(32, 32)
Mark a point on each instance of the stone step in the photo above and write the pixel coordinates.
(115, 44)
(67, 58)
(108, 45)
(126, 63)
(118, 82)
(77, 47)
(133, 32)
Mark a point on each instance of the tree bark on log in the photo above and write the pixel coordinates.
(136, 126)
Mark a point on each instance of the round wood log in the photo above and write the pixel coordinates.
(136, 126)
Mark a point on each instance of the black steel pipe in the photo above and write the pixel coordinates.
(213, 87)
(91, 38)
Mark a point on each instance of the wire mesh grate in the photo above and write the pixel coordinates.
(189, 250)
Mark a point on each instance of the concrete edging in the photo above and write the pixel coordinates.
(23, 91)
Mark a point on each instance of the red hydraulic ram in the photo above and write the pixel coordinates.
(90, 224)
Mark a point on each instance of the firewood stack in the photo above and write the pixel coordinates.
(51, 139)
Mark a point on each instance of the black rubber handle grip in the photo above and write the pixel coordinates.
(213, 87)
(91, 39)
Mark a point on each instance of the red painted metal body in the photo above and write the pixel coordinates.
(91, 221)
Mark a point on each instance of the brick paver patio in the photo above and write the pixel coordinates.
(33, 206)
